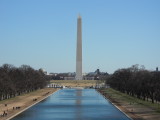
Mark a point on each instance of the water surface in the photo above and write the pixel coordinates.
(73, 104)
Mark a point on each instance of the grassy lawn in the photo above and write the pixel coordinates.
(82, 83)
(131, 100)
(75, 81)
(17, 98)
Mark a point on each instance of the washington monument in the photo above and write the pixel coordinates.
(79, 50)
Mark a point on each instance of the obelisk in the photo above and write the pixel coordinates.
(79, 50)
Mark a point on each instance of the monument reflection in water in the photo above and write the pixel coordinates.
(73, 104)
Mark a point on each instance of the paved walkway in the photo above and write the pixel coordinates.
(134, 110)
(20, 103)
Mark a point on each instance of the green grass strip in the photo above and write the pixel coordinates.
(131, 100)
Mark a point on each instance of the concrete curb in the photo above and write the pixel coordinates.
(115, 106)
(30, 106)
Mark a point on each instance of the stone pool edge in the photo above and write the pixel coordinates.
(116, 106)
(31, 105)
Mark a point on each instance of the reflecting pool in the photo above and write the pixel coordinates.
(73, 104)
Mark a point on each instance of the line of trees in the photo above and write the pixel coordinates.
(138, 82)
(15, 81)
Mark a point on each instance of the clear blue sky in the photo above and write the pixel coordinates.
(116, 33)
